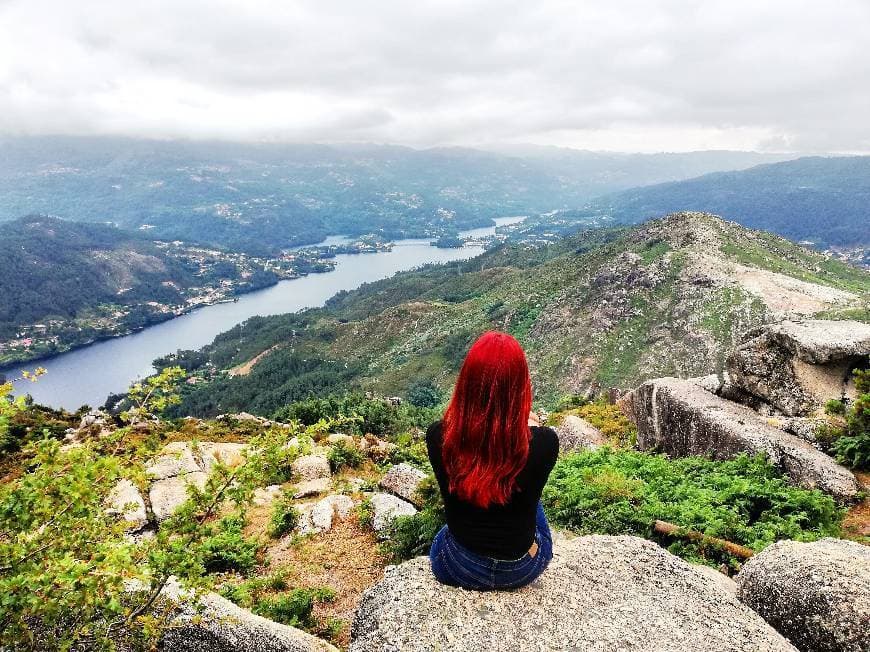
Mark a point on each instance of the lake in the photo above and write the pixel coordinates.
(88, 375)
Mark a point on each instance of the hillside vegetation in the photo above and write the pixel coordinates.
(821, 200)
(607, 308)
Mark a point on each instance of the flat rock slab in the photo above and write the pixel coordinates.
(217, 625)
(818, 341)
(177, 458)
(817, 594)
(228, 453)
(308, 488)
(577, 434)
(680, 418)
(403, 480)
(311, 467)
(599, 594)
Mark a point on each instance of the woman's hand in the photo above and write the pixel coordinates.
(534, 419)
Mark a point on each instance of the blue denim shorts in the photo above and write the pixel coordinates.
(455, 565)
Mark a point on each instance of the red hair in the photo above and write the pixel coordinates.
(486, 426)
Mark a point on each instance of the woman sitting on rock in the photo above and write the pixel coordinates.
(492, 458)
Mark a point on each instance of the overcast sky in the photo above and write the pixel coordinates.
(783, 75)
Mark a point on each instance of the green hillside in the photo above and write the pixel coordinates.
(822, 200)
(606, 308)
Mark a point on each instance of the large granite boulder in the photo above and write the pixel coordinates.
(600, 593)
(796, 366)
(403, 480)
(576, 434)
(680, 418)
(817, 594)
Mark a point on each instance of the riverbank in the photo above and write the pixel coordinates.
(89, 374)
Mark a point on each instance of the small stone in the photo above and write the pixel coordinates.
(168, 494)
(338, 437)
(126, 501)
(386, 508)
(266, 495)
(576, 434)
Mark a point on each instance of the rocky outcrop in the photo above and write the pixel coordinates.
(403, 480)
(796, 366)
(386, 508)
(817, 594)
(599, 593)
(211, 623)
(576, 434)
(680, 418)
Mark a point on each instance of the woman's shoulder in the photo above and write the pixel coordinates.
(433, 433)
(545, 440)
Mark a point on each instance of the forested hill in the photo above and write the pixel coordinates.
(64, 284)
(263, 197)
(822, 200)
(605, 308)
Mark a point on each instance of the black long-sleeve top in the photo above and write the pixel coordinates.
(499, 531)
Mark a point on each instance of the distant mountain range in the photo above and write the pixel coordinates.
(605, 308)
(824, 201)
(263, 197)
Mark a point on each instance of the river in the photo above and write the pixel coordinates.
(88, 375)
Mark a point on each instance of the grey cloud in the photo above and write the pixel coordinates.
(670, 74)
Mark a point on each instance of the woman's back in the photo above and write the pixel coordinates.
(498, 531)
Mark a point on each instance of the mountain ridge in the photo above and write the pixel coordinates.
(607, 308)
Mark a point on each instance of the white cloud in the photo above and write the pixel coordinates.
(622, 75)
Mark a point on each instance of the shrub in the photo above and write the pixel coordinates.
(424, 394)
(849, 439)
(285, 517)
(228, 549)
(409, 536)
(293, 608)
(343, 455)
(835, 407)
(744, 500)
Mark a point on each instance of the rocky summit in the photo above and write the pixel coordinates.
(600, 593)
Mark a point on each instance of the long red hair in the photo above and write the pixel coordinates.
(485, 429)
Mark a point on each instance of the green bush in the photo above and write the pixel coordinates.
(853, 450)
(227, 549)
(849, 439)
(744, 500)
(285, 517)
(424, 394)
(410, 536)
(343, 455)
(293, 608)
(835, 407)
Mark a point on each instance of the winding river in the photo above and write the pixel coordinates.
(88, 375)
